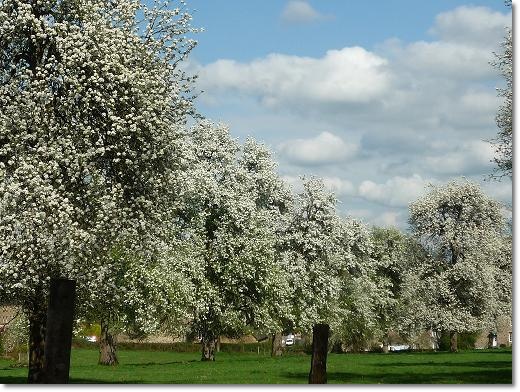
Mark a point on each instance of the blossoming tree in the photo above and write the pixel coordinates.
(361, 292)
(311, 264)
(90, 100)
(391, 256)
(232, 201)
(136, 296)
(503, 142)
(463, 230)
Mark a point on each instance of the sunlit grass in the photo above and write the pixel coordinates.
(473, 367)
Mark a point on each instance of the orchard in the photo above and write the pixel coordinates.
(121, 205)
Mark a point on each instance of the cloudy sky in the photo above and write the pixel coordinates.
(379, 98)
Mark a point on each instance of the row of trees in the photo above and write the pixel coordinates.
(165, 226)
(238, 251)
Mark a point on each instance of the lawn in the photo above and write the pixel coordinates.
(473, 367)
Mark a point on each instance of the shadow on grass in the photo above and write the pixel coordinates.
(491, 364)
(474, 377)
(13, 380)
(138, 364)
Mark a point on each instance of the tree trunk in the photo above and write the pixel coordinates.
(37, 325)
(209, 344)
(320, 342)
(218, 344)
(276, 345)
(107, 346)
(60, 316)
(385, 345)
(453, 342)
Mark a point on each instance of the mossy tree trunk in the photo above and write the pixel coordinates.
(276, 344)
(209, 345)
(453, 341)
(386, 343)
(107, 346)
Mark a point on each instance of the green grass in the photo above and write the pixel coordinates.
(152, 367)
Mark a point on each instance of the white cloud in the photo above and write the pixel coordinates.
(447, 59)
(325, 148)
(395, 192)
(363, 214)
(420, 111)
(477, 26)
(499, 190)
(468, 158)
(348, 75)
(388, 219)
(467, 37)
(299, 11)
(294, 182)
(340, 187)
(480, 101)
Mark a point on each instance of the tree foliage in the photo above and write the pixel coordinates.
(464, 232)
(503, 143)
(232, 205)
(310, 255)
(92, 101)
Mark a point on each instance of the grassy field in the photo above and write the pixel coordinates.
(136, 367)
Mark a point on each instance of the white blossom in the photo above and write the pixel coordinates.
(91, 105)
(466, 283)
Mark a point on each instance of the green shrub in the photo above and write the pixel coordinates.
(297, 348)
(263, 347)
(79, 342)
(180, 347)
(376, 348)
(465, 341)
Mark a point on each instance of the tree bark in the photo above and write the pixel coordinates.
(385, 345)
(107, 346)
(218, 344)
(453, 341)
(276, 345)
(209, 344)
(37, 326)
(320, 342)
(60, 316)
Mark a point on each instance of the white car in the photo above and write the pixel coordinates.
(289, 341)
(399, 347)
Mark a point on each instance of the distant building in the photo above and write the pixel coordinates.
(502, 336)
(7, 314)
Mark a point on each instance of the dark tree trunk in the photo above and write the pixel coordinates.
(60, 316)
(209, 344)
(37, 325)
(320, 343)
(107, 346)
(276, 345)
(453, 342)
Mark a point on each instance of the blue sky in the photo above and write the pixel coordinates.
(378, 98)
(244, 30)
